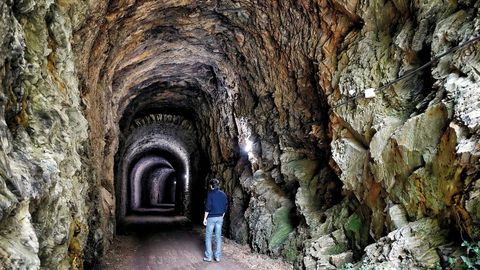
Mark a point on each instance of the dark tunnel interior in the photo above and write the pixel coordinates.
(161, 170)
(153, 181)
(343, 133)
(175, 126)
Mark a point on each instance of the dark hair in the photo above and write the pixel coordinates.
(214, 183)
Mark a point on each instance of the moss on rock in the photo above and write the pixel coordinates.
(356, 229)
(282, 227)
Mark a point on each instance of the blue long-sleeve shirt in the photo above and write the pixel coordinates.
(216, 204)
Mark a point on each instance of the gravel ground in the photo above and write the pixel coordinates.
(180, 249)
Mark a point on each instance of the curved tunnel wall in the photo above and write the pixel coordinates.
(157, 167)
(161, 187)
(147, 181)
(267, 72)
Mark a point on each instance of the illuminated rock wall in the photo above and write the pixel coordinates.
(386, 180)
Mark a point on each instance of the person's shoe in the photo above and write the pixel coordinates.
(205, 259)
(217, 259)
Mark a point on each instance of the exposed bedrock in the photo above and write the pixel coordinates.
(118, 112)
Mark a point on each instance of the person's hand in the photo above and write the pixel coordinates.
(205, 222)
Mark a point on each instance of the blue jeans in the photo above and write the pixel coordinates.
(213, 222)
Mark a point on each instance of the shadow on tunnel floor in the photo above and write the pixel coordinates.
(154, 227)
(147, 236)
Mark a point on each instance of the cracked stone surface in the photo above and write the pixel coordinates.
(248, 92)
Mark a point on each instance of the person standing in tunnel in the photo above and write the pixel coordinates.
(215, 208)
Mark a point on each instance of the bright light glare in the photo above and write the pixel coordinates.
(248, 146)
(186, 181)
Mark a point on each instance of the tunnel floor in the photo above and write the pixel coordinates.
(179, 248)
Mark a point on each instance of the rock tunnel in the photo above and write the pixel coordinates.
(332, 152)
(158, 174)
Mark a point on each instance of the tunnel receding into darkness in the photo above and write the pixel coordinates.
(331, 125)
(175, 127)
(189, 91)
(158, 179)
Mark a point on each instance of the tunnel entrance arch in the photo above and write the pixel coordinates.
(152, 184)
(157, 166)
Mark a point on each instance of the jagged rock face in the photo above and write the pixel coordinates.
(44, 169)
(265, 90)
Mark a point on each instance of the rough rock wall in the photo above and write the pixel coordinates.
(412, 153)
(393, 177)
(43, 183)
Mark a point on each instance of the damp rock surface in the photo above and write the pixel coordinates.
(269, 97)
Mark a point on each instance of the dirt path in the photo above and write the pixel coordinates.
(180, 249)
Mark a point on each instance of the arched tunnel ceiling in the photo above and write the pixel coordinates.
(261, 71)
(173, 65)
(209, 58)
(158, 148)
(200, 44)
(218, 63)
(176, 48)
(84, 83)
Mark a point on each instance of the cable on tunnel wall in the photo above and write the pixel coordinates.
(408, 74)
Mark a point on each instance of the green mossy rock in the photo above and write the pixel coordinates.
(282, 227)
